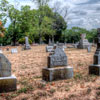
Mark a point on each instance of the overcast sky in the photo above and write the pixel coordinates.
(82, 13)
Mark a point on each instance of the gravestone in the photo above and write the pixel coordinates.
(83, 43)
(14, 50)
(50, 47)
(95, 68)
(1, 51)
(61, 45)
(7, 80)
(27, 45)
(57, 67)
(89, 48)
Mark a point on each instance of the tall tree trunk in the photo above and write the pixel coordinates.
(40, 39)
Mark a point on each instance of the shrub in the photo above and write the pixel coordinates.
(22, 41)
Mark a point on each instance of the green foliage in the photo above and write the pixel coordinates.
(73, 35)
(22, 41)
(39, 24)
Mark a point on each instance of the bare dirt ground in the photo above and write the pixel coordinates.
(27, 67)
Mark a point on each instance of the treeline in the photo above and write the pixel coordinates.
(73, 35)
(39, 25)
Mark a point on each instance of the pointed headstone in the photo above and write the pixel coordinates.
(7, 80)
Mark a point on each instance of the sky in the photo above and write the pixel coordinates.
(81, 13)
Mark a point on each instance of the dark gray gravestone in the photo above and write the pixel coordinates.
(57, 67)
(95, 68)
(83, 43)
(58, 58)
(7, 81)
(27, 45)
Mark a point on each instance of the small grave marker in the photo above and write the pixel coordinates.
(14, 50)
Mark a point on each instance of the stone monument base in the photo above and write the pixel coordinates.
(83, 46)
(7, 84)
(27, 48)
(94, 69)
(59, 73)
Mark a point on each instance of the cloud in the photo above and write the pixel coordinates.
(82, 13)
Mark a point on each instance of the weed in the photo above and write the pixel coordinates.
(22, 90)
(78, 76)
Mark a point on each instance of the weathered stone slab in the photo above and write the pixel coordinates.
(58, 58)
(5, 66)
(57, 66)
(49, 48)
(60, 73)
(83, 43)
(7, 84)
(14, 50)
(27, 45)
(89, 48)
(61, 45)
(50, 43)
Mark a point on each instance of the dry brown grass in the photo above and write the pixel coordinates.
(27, 67)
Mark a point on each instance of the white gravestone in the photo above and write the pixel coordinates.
(14, 50)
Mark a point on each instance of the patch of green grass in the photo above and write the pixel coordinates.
(24, 82)
(98, 88)
(98, 93)
(80, 64)
(22, 90)
(78, 76)
(36, 77)
(89, 91)
(52, 91)
(67, 89)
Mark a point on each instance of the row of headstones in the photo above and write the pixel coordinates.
(14, 50)
(82, 44)
(57, 68)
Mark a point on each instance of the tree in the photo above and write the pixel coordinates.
(4, 6)
(41, 4)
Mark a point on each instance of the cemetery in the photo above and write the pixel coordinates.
(49, 51)
(27, 66)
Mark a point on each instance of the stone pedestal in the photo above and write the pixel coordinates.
(95, 68)
(7, 84)
(52, 74)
